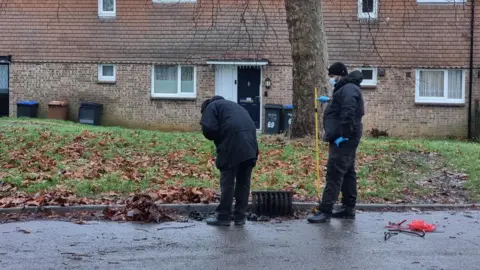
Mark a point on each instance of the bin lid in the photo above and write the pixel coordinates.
(91, 104)
(288, 107)
(58, 103)
(273, 106)
(27, 102)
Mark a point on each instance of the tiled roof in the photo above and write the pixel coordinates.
(142, 32)
(405, 34)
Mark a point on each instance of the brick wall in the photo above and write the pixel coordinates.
(126, 103)
(281, 90)
(391, 106)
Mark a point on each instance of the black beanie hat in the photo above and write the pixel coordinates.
(338, 69)
(204, 105)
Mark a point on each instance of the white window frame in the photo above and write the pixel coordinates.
(179, 94)
(439, 100)
(172, 1)
(368, 15)
(373, 81)
(102, 78)
(102, 13)
(441, 1)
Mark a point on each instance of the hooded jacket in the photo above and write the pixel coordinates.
(343, 116)
(232, 130)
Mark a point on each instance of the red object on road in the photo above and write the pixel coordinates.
(420, 225)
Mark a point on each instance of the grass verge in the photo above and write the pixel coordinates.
(41, 156)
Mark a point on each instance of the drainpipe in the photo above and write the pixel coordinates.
(470, 82)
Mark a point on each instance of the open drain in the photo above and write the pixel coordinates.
(272, 203)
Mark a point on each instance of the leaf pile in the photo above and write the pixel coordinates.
(62, 197)
(184, 195)
(139, 208)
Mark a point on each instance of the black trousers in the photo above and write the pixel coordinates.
(341, 176)
(239, 188)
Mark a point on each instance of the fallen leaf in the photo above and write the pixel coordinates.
(24, 231)
(79, 222)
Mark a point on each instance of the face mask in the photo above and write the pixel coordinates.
(333, 81)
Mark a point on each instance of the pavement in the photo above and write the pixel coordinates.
(341, 244)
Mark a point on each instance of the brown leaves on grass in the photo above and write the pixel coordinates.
(63, 197)
(49, 160)
(59, 196)
(82, 158)
(139, 208)
(4, 187)
(184, 195)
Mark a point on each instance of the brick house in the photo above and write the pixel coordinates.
(152, 63)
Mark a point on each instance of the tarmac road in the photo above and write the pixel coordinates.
(342, 244)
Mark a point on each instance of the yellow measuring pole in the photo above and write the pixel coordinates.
(316, 141)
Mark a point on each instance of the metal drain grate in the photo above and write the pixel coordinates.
(272, 203)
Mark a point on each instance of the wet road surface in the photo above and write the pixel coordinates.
(341, 245)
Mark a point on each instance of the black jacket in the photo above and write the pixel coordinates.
(343, 116)
(231, 128)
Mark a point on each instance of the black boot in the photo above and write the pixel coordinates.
(239, 219)
(319, 217)
(218, 222)
(345, 212)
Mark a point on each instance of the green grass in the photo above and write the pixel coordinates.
(45, 155)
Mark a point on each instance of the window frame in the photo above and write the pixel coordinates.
(102, 13)
(179, 94)
(367, 15)
(373, 81)
(108, 79)
(439, 100)
(173, 1)
(441, 2)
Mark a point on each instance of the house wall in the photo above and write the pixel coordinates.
(406, 35)
(128, 102)
(281, 90)
(391, 107)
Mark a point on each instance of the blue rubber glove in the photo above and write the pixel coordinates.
(323, 99)
(340, 140)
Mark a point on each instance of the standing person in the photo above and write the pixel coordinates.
(343, 126)
(233, 131)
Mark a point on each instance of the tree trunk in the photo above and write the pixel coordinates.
(310, 59)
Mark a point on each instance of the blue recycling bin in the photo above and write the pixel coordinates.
(27, 108)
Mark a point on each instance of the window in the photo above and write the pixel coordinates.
(441, 1)
(3, 79)
(174, 81)
(106, 73)
(107, 8)
(367, 9)
(440, 86)
(174, 1)
(369, 76)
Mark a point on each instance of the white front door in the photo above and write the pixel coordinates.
(226, 82)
